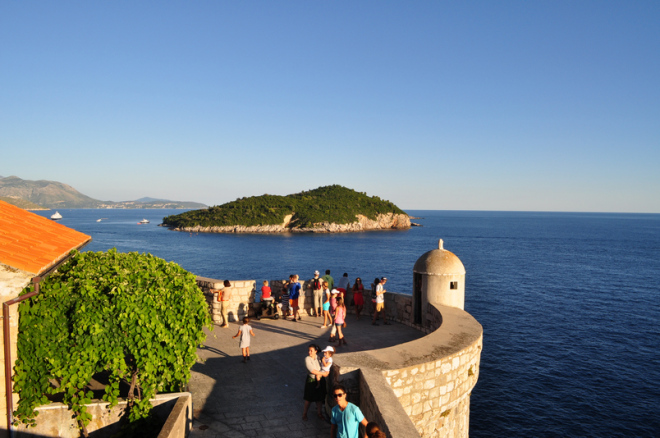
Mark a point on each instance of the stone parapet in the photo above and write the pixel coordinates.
(174, 410)
(241, 298)
(420, 388)
(431, 378)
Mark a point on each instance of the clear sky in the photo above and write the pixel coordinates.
(491, 105)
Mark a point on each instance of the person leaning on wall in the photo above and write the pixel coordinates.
(224, 296)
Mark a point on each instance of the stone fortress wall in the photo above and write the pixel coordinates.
(398, 307)
(421, 388)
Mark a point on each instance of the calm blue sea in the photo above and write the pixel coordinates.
(569, 302)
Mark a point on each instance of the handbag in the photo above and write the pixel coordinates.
(344, 325)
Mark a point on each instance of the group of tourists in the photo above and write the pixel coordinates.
(329, 300)
(345, 418)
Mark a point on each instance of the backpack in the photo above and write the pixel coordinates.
(316, 284)
(374, 295)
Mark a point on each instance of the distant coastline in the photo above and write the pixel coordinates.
(42, 194)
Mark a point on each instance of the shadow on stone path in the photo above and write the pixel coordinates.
(263, 398)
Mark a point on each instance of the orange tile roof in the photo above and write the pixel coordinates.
(33, 243)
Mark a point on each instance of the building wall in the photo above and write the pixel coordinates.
(438, 290)
(12, 282)
(434, 394)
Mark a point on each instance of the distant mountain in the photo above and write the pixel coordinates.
(22, 203)
(147, 199)
(53, 194)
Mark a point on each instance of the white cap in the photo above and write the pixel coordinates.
(316, 272)
(334, 291)
(329, 348)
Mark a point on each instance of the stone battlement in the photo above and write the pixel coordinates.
(419, 388)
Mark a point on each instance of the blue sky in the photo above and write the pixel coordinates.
(516, 105)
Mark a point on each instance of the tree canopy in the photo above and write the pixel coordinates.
(332, 204)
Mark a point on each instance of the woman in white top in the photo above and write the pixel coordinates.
(313, 392)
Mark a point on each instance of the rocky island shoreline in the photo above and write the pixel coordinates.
(389, 221)
(330, 209)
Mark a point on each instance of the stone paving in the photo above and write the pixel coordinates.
(263, 397)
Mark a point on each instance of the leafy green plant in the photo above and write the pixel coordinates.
(333, 204)
(133, 316)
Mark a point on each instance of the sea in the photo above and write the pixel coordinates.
(569, 302)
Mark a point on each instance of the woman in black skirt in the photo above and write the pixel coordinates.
(314, 390)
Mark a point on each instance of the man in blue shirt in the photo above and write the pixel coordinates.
(346, 417)
(294, 293)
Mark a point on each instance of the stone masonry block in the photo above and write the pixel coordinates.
(427, 406)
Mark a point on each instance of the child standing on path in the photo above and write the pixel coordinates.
(244, 332)
(340, 315)
(326, 306)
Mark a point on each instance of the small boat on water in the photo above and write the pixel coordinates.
(57, 216)
(143, 221)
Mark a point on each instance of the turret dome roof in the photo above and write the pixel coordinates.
(439, 262)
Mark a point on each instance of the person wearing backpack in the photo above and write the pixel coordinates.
(316, 284)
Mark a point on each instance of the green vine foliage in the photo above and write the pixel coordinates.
(133, 316)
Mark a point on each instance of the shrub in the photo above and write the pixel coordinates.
(133, 316)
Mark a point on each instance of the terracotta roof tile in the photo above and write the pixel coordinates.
(33, 243)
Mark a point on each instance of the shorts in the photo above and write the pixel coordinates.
(339, 324)
(326, 306)
(294, 303)
(380, 307)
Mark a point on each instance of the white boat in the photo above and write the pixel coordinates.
(143, 221)
(57, 216)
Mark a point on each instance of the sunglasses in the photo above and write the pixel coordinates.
(339, 395)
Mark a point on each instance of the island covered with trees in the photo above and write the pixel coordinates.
(326, 209)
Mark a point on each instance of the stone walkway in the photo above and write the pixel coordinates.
(263, 398)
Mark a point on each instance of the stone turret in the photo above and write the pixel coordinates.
(438, 277)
